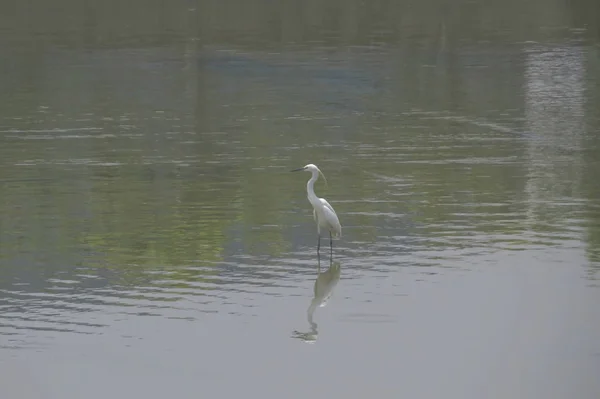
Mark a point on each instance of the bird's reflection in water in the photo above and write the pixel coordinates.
(324, 285)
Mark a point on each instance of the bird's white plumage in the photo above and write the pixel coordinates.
(328, 205)
(323, 212)
(327, 219)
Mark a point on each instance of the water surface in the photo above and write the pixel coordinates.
(154, 243)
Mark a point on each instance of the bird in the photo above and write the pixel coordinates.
(323, 212)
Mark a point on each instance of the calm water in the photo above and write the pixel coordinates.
(153, 242)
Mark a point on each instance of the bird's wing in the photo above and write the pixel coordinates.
(332, 218)
(328, 205)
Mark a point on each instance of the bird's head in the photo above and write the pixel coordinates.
(312, 169)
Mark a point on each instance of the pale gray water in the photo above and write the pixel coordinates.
(153, 242)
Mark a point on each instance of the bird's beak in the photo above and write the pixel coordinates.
(297, 170)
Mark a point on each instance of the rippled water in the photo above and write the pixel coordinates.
(153, 241)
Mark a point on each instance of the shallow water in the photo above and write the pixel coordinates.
(153, 241)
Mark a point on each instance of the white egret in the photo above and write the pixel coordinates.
(323, 212)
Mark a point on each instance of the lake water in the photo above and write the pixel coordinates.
(154, 244)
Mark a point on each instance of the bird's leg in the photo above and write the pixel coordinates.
(318, 243)
(330, 246)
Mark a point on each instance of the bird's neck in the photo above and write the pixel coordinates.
(312, 197)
